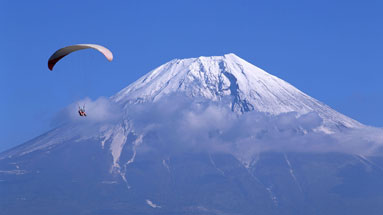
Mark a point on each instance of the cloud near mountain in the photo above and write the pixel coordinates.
(181, 123)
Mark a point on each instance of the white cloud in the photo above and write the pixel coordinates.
(101, 110)
(176, 123)
(183, 124)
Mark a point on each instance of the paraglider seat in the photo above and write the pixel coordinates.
(81, 112)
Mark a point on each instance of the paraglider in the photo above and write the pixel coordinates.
(81, 111)
(59, 54)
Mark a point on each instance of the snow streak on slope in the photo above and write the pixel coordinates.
(151, 204)
(220, 77)
(292, 172)
(118, 141)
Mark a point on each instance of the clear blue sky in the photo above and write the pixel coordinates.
(331, 50)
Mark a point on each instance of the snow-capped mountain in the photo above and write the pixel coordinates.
(241, 142)
(218, 77)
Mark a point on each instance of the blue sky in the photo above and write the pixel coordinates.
(331, 50)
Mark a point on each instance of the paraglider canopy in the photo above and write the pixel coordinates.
(59, 54)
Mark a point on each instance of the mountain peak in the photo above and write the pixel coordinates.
(218, 77)
(207, 76)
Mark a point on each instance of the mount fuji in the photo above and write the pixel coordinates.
(207, 135)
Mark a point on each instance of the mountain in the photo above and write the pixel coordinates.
(207, 135)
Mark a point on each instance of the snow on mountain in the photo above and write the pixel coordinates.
(218, 77)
